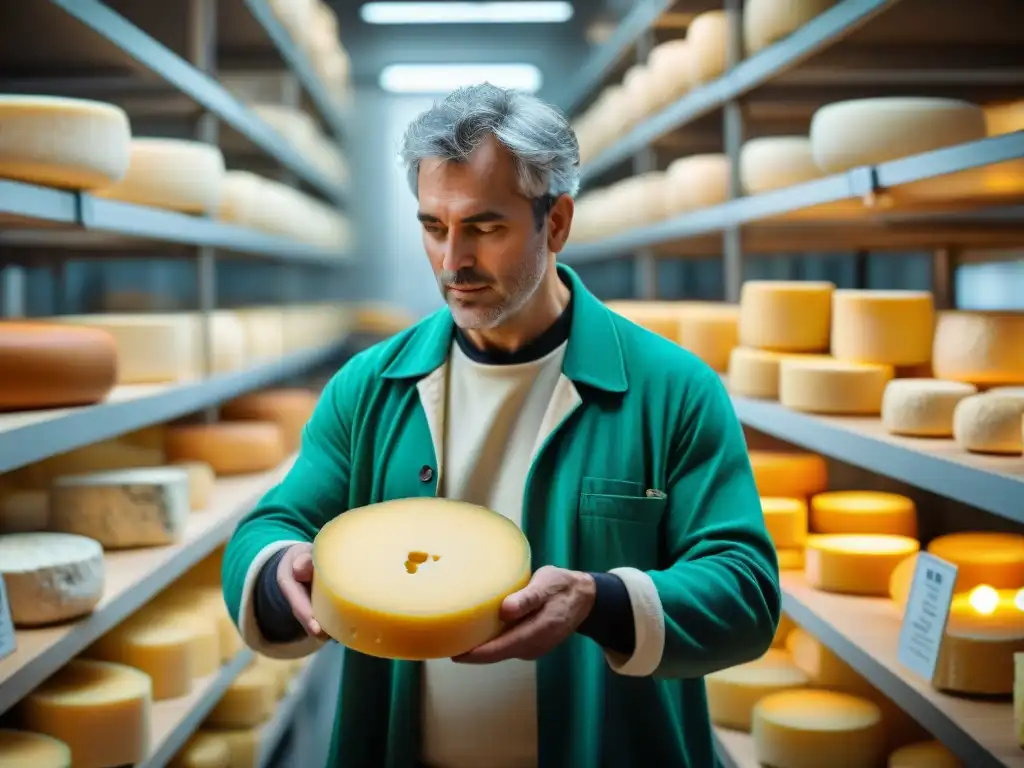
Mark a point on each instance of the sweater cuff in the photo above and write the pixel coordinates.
(274, 616)
(610, 623)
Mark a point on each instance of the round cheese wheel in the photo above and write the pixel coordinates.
(204, 750)
(901, 580)
(795, 729)
(176, 174)
(768, 21)
(248, 701)
(887, 327)
(696, 181)
(710, 332)
(983, 558)
(21, 749)
(786, 521)
(982, 348)
(786, 316)
(774, 162)
(820, 385)
(855, 564)
(244, 744)
(670, 68)
(782, 631)
(231, 448)
(924, 754)
(660, 317)
(822, 666)
(733, 692)
(289, 409)
(922, 407)
(848, 134)
(1004, 117)
(791, 559)
(788, 474)
(706, 37)
(863, 512)
(66, 143)
(201, 482)
(639, 85)
(989, 423)
(48, 365)
(755, 372)
(416, 578)
(242, 199)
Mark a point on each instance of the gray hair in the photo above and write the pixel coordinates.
(540, 139)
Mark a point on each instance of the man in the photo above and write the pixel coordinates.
(616, 451)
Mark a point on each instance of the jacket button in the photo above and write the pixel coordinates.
(426, 473)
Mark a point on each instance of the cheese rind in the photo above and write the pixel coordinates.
(776, 161)
(231, 448)
(755, 372)
(706, 37)
(981, 348)
(290, 409)
(124, 508)
(995, 559)
(416, 578)
(50, 577)
(923, 754)
(887, 327)
(248, 701)
(696, 181)
(201, 482)
(768, 21)
(855, 564)
(710, 332)
(819, 385)
(786, 521)
(786, 316)
(733, 692)
(988, 423)
(922, 407)
(788, 474)
(864, 512)
(21, 749)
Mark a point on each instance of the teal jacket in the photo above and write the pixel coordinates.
(639, 413)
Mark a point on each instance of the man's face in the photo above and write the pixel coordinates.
(487, 253)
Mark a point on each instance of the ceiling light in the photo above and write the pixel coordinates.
(525, 12)
(443, 78)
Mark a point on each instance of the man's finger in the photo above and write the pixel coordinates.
(298, 598)
(532, 597)
(528, 639)
(302, 567)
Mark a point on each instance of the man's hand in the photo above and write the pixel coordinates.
(295, 577)
(543, 614)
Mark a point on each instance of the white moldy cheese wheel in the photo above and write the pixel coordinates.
(982, 348)
(290, 409)
(50, 577)
(176, 174)
(416, 578)
(922, 407)
(733, 692)
(21, 749)
(786, 316)
(706, 38)
(788, 474)
(767, 21)
(786, 521)
(697, 181)
(988, 423)
(799, 728)
(231, 448)
(67, 143)
(995, 559)
(774, 162)
(100, 710)
(855, 564)
(821, 385)
(863, 512)
(924, 754)
(248, 701)
(887, 327)
(848, 134)
(124, 508)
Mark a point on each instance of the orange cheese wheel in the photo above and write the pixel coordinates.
(230, 448)
(290, 409)
(54, 365)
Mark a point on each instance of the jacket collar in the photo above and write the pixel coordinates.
(593, 356)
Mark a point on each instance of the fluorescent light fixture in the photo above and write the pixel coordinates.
(525, 12)
(443, 78)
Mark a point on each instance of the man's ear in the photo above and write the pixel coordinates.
(560, 223)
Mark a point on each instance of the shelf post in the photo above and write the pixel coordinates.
(944, 264)
(732, 237)
(645, 266)
(12, 283)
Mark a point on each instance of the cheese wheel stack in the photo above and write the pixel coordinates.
(785, 481)
(734, 692)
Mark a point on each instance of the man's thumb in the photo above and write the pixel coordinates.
(302, 567)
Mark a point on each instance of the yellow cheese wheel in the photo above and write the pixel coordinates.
(696, 181)
(981, 348)
(206, 651)
(710, 332)
(889, 327)
(833, 387)
(924, 754)
(791, 559)
(755, 372)
(670, 67)
(231, 448)
(282, 671)
(823, 668)
(782, 631)
(768, 21)
(901, 580)
(864, 512)
(416, 578)
(660, 317)
(788, 474)
(733, 692)
(786, 316)
(786, 520)
(243, 744)
(994, 559)
(21, 749)
(290, 409)
(922, 407)
(773, 162)
(990, 423)
(984, 630)
(248, 701)
(201, 482)
(101, 711)
(205, 749)
(797, 729)
(706, 37)
(855, 564)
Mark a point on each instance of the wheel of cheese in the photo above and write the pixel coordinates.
(21, 749)
(231, 448)
(24, 511)
(660, 317)
(922, 407)
(786, 316)
(53, 366)
(696, 181)
(247, 702)
(788, 474)
(791, 559)
(100, 710)
(205, 749)
(887, 327)
(282, 671)
(733, 692)
(795, 729)
(823, 668)
(982, 348)
(768, 21)
(264, 333)
(670, 67)
(710, 332)
(819, 385)
(863, 512)
(901, 580)
(989, 423)
(227, 334)
(290, 409)
(416, 578)
(50, 577)
(924, 754)
(983, 558)
(755, 372)
(201, 483)
(706, 36)
(242, 199)
(1004, 117)
(786, 521)
(123, 509)
(176, 174)
(639, 85)
(782, 631)
(244, 744)
(848, 134)
(774, 162)
(66, 143)
(855, 564)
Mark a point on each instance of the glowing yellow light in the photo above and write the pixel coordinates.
(984, 600)
(1019, 600)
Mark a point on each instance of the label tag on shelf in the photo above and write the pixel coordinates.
(8, 643)
(924, 622)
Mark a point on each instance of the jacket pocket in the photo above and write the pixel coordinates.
(617, 530)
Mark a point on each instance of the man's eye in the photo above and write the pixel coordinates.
(433, 229)
(487, 229)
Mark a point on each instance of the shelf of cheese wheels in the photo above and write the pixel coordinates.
(73, 161)
(877, 379)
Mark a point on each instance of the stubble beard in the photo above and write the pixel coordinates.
(489, 316)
